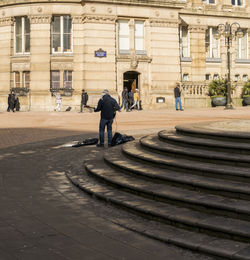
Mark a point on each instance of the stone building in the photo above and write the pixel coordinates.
(69, 45)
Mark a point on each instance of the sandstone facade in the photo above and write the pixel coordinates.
(96, 45)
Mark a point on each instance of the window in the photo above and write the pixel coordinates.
(17, 83)
(237, 2)
(26, 79)
(216, 77)
(245, 78)
(207, 77)
(22, 35)
(184, 41)
(242, 46)
(236, 77)
(185, 77)
(55, 79)
(208, 1)
(124, 36)
(61, 31)
(67, 83)
(139, 37)
(212, 45)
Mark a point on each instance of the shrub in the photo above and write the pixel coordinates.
(217, 88)
(246, 89)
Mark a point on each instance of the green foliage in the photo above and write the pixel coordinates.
(246, 89)
(217, 88)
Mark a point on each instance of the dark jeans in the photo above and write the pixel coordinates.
(124, 104)
(103, 123)
(82, 105)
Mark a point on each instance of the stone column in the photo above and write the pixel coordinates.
(197, 52)
(78, 49)
(6, 33)
(40, 62)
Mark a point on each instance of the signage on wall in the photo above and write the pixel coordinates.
(100, 53)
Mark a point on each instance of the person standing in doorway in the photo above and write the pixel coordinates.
(136, 100)
(125, 99)
(177, 95)
(108, 106)
(58, 102)
(84, 99)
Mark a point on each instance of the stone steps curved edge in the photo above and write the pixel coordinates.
(226, 187)
(239, 209)
(197, 130)
(152, 142)
(205, 143)
(199, 242)
(133, 150)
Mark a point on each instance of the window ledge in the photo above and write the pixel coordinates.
(186, 59)
(213, 60)
(141, 53)
(246, 61)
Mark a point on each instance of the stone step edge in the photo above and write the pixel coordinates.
(153, 143)
(79, 182)
(213, 186)
(195, 203)
(236, 172)
(193, 129)
(236, 233)
(166, 135)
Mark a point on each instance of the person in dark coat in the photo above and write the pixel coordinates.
(130, 99)
(11, 102)
(108, 107)
(125, 99)
(177, 95)
(84, 99)
(17, 104)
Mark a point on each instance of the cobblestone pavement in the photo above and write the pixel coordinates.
(43, 216)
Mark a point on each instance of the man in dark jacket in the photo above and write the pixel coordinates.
(177, 95)
(11, 102)
(125, 99)
(84, 99)
(108, 106)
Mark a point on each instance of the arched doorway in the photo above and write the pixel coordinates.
(131, 80)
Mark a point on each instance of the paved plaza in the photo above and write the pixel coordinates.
(44, 217)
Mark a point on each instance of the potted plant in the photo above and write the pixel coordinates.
(246, 93)
(217, 89)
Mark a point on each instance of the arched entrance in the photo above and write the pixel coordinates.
(131, 80)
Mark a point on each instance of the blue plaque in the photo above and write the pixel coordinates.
(100, 53)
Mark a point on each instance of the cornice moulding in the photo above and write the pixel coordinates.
(6, 21)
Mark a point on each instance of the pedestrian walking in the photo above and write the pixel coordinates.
(130, 99)
(125, 99)
(84, 99)
(136, 100)
(177, 95)
(11, 102)
(108, 107)
(17, 104)
(58, 102)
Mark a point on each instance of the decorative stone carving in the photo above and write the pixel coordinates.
(133, 61)
(61, 66)
(197, 28)
(6, 21)
(92, 9)
(40, 18)
(109, 10)
(157, 13)
(20, 66)
(39, 9)
(77, 19)
(99, 19)
(163, 23)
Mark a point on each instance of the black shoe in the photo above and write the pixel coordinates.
(177, 109)
(182, 109)
(100, 145)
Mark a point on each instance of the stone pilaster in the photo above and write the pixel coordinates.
(40, 62)
(197, 51)
(6, 33)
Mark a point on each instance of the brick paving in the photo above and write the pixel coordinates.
(43, 216)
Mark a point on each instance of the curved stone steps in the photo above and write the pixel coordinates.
(204, 143)
(152, 142)
(134, 150)
(202, 130)
(200, 242)
(198, 200)
(224, 187)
